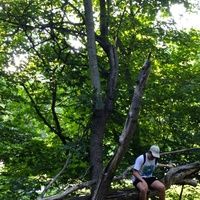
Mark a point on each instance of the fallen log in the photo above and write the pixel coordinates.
(182, 175)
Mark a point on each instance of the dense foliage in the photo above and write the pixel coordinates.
(47, 99)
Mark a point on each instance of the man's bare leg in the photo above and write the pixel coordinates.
(143, 189)
(160, 188)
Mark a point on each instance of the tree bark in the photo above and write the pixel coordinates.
(98, 116)
(96, 143)
(91, 47)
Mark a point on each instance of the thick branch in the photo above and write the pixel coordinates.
(182, 174)
(113, 59)
(103, 18)
(92, 54)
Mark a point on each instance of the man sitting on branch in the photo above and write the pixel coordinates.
(143, 169)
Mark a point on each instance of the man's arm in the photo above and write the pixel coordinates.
(137, 175)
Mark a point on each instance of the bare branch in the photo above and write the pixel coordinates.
(179, 151)
(69, 190)
(59, 134)
(55, 178)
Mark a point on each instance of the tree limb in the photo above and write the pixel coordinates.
(179, 151)
(182, 174)
(55, 178)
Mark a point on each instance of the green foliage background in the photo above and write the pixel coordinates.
(44, 32)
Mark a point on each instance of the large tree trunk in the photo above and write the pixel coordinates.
(102, 110)
(96, 143)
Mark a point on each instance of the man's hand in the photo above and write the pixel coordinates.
(137, 175)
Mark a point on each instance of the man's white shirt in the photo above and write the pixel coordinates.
(145, 169)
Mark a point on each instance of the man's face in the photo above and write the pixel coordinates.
(151, 157)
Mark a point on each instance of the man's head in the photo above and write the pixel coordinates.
(155, 151)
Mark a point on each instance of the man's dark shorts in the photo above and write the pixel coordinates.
(148, 180)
